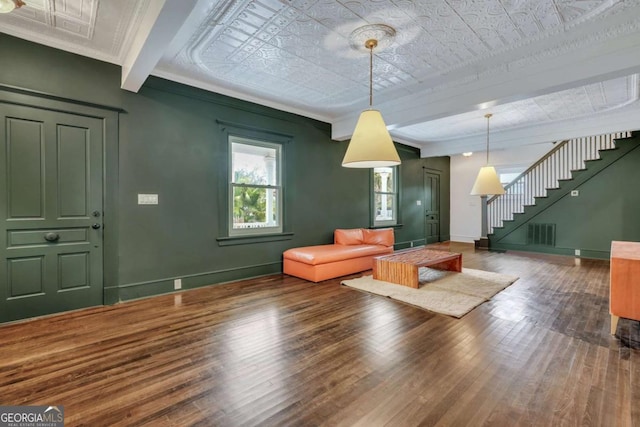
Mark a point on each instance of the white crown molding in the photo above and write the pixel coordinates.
(237, 94)
(76, 26)
(60, 45)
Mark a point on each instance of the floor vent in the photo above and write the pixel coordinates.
(541, 234)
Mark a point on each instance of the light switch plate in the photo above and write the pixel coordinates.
(419, 202)
(575, 193)
(147, 199)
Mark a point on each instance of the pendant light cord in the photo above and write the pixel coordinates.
(370, 44)
(488, 116)
(370, 76)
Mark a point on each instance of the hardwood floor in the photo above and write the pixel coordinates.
(281, 351)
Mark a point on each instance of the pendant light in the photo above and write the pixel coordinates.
(7, 6)
(371, 145)
(487, 182)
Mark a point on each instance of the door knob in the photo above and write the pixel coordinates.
(95, 226)
(51, 237)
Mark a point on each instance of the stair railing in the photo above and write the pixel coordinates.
(545, 174)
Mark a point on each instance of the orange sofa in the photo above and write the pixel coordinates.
(352, 251)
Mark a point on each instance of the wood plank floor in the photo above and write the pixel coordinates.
(280, 351)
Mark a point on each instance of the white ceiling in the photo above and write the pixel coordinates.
(546, 69)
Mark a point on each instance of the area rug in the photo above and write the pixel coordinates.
(446, 292)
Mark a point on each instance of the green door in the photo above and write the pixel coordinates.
(432, 207)
(50, 212)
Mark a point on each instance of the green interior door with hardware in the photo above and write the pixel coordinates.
(432, 207)
(51, 212)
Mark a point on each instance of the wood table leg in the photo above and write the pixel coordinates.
(614, 324)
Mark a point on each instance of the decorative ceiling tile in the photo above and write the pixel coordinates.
(568, 104)
(296, 54)
(96, 28)
(75, 16)
(333, 16)
(301, 43)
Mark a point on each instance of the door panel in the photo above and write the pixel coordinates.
(26, 276)
(51, 256)
(25, 168)
(432, 207)
(73, 154)
(74, 270)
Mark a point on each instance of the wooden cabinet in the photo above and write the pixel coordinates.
(624, 286)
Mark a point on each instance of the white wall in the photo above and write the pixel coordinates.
(465, 209)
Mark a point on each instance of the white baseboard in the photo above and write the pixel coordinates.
(463, 239)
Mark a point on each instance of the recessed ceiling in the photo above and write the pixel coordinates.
(540, 66)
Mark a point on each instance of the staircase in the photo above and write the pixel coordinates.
(538, 213)
(546, 174)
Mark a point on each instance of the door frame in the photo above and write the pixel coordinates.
(110, 163)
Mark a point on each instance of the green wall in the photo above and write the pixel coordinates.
(171, 142)
(606, 209)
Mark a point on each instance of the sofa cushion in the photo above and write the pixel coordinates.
(323, 254)
(380, 236)
(352, 236)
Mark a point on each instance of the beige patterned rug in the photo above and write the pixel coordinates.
(445, 292)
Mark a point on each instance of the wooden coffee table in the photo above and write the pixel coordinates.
(402, 267)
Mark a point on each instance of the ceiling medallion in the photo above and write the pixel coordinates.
(382, 33)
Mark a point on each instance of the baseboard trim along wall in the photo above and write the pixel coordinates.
(463, 239)
(584, 253)
(409, 244)
(131, 291)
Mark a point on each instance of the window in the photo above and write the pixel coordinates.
(506, 178)
(507, 175)
(385, 196)
(255, 187)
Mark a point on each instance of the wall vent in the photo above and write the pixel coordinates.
(541, 234)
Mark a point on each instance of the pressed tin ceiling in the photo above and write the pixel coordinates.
(541, 66)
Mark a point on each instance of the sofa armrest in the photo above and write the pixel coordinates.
(378, 236)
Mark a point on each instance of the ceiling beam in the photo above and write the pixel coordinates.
(161, 22)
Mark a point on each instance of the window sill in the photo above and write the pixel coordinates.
(249, 239)
(373, 227)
